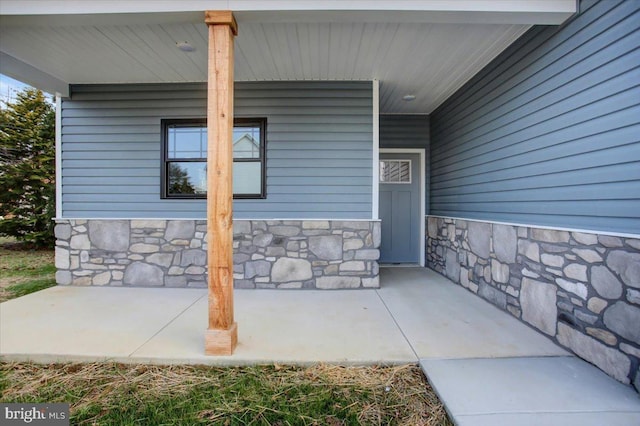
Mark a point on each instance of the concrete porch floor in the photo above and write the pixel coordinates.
(487, 367)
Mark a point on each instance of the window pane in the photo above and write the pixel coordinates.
(247, 178)
(187, 178)
(186, 152)
(246, 142)
(187, 142)
(395, 171)
(190, 178)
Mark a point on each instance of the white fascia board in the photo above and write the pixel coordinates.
(81, 7)
(445, 11)
(403, 16)
(26, 73)
(64, 7)
(409, 5)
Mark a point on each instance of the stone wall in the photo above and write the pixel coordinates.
(172, 253)
(581, 289)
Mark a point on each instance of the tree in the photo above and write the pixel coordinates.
(179, 180)
(27, 168)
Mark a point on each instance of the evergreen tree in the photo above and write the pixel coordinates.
(27, 168)
(179, 181)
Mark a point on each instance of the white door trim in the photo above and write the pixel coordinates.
(422, 154)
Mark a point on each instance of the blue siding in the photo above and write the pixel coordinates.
(549, 132)
(407, 131)
(319, 149)
(404, 131)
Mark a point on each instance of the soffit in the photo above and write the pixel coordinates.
(427, 59)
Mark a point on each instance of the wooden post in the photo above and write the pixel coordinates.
(222, 333)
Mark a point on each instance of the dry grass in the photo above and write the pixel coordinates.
(266, 395)
(116, 394)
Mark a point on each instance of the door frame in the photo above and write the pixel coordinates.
(421, 154)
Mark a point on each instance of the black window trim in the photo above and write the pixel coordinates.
(238, 121)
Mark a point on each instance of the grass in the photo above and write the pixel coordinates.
(24, 270)
(117, 394)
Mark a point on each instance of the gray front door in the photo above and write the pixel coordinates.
(400, 208)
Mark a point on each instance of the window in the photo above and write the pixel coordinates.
(184, 158)
(395, 171)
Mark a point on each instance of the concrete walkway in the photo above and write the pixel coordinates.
(487, 367)
(490, 369)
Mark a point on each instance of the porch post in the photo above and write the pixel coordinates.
(221, 336)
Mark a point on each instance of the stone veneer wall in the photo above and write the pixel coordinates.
(581, 289)
(267, 254)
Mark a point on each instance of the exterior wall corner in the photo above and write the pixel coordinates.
(580, 289)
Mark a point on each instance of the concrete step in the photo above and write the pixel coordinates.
(550, 391)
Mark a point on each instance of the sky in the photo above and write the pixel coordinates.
(9, 87)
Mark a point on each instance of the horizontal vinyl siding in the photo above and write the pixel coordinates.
(407, 131)
(549, 132)
(319, 149)
(404, 131)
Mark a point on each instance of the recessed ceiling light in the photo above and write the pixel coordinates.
(408, 98)
(185, 46)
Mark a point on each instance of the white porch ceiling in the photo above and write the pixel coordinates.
(408, 52)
